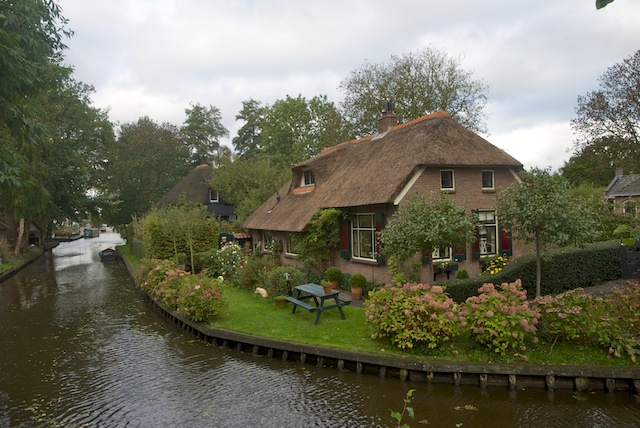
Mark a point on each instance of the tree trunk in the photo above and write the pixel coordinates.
(538, 267)
(16, 251)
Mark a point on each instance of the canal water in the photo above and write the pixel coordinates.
(79, 348)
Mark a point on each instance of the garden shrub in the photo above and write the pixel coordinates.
(619, 328)
(462, 274)
(562, 270)
(229, 260)
(151, 272)
(332, 273)
(159, 243)
(255, 272)
(282, 279)
(199, 297)
(413, 315)
(313, 277)
(137, 248)
(613, 323)
(569, 316)
(501, 319)
(494, 264)
(5, 249)
(167, 291)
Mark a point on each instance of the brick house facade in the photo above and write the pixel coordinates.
(624, 192)
(370, 178)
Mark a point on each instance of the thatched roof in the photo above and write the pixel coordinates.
(373, 170)
(193, 187)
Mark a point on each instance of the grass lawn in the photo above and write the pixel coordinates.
(251, 314)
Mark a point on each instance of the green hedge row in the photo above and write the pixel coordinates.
(562, 269)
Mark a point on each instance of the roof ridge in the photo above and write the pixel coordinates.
(433, 115)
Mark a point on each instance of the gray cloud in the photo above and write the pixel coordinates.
(153, 57)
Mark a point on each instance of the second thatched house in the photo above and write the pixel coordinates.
(371, 177)
(195, 187)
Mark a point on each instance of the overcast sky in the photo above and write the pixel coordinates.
(153, 57)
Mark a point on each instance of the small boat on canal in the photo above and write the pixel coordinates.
(109, 254)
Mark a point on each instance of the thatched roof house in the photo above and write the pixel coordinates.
(195, 187)
(376, 173)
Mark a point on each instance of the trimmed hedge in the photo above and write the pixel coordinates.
(562, 270)
(158, 245)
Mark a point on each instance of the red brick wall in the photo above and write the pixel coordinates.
(468, 193)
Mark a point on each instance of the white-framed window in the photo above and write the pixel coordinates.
(487, 180)
(308, 179)
(267, 241)
(441, 253)
(363, 236)
(487, 233)
(290, 241)
(446, 179)
(213, 195)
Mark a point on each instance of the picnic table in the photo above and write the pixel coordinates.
(316, 293)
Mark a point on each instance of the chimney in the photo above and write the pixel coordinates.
(388, 119)
(619, 171)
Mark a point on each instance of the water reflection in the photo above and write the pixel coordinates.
(79, 348)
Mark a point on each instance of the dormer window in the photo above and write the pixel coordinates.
(213, 195)
(308, 178)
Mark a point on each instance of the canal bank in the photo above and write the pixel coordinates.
(48, 246)
(512, 376)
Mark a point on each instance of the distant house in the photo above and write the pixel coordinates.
(624, 192)
(371, 177)
(195, 187)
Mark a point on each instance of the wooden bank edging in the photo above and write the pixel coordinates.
(579, 378)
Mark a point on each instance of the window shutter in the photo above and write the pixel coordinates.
(345, 239)
(476, 247)
(505, 241)
(460, 253)
(379, 219)
(426, 257)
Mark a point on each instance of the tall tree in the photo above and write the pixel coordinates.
(147, 160)
(613, 111)
(247, 183)
(418, 83)
(31, 39)
(31, 35)
(540, 209)
(79, 134)
(295, 129)
(202, 131)
(595, 164)
(247, 142)
(426, 223)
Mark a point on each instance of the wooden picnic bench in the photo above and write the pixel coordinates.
(317, 294)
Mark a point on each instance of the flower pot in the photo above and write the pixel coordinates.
(281, 302)
(356, 293)
(334, 284)
(327, 289)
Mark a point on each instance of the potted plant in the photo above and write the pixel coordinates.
(280, 300)
(333, 275)
(357, 283)
(326, 286)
